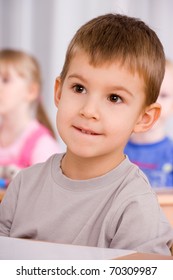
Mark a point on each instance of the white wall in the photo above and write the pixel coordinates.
(45, 27)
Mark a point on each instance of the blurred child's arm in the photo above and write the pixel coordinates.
(7, 209)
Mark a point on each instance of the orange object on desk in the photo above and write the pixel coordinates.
(2, 192)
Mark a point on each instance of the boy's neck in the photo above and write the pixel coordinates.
(78, 168)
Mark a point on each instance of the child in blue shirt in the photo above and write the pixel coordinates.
(152, 151)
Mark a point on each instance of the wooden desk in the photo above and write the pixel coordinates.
(145, 256)
(2, 192)
(165, 199)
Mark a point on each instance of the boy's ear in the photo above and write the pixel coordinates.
(57, 91)
(147, 119)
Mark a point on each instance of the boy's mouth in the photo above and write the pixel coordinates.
(86, 131)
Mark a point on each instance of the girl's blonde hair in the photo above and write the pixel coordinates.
(28, 68)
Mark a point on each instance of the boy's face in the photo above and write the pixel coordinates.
(98, 107)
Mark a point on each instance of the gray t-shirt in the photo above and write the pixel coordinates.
(116, 210)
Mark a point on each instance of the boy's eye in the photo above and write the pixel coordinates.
(79, 89)
(115, 98)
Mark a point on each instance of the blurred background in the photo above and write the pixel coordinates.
(45, 27)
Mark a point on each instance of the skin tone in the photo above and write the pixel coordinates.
(97, 112)
(16, 96)
(157, 132)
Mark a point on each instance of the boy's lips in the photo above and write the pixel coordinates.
(86, 131)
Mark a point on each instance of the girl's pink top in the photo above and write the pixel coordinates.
(34, 145)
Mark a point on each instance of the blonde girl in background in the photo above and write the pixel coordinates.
(26, 134)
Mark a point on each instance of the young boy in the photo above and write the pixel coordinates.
(152, 151)
(93, 195)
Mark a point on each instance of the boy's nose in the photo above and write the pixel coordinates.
(89, 109)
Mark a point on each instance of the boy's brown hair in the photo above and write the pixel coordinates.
(118, 38)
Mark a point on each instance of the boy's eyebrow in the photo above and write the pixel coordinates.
(122, 89)
(77, 76)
